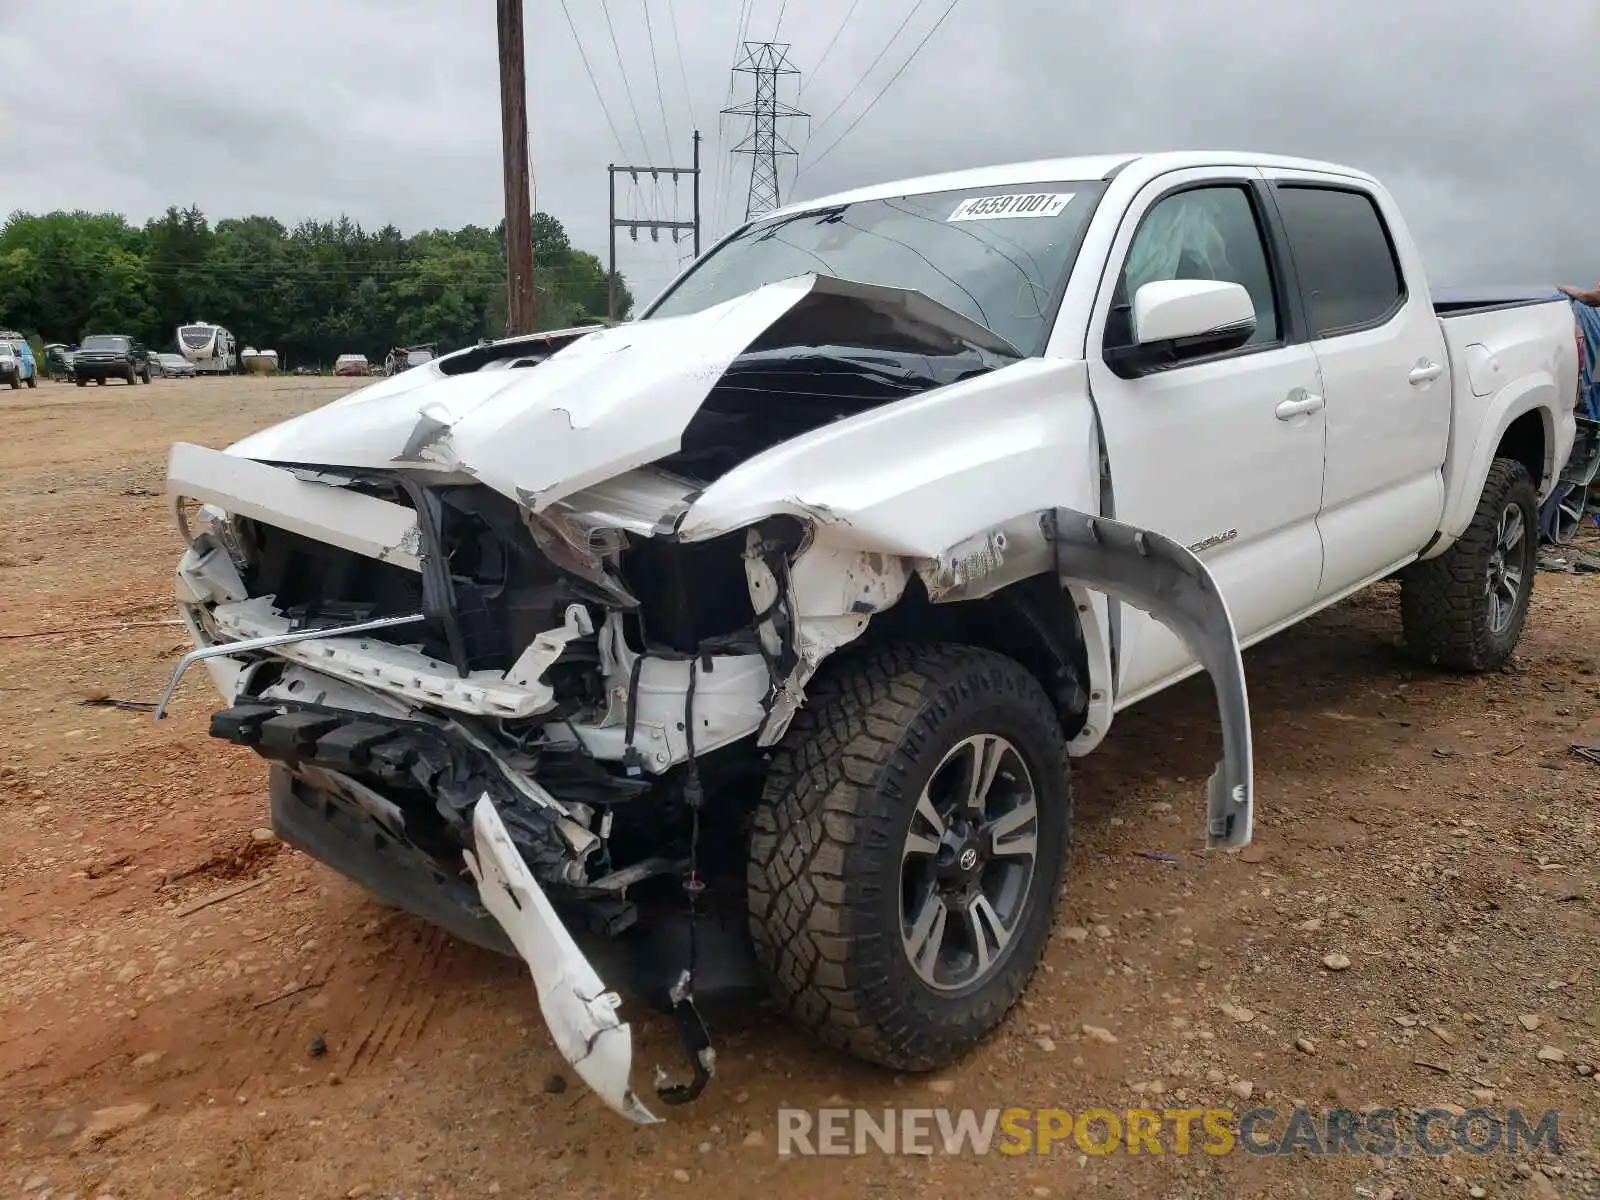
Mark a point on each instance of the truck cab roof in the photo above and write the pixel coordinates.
(1086, 167)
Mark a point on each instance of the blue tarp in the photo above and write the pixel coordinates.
(1588, 319)
(1589, 374)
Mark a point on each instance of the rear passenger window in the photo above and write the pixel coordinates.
(1346, 261)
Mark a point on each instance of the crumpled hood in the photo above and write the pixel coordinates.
(604, 403)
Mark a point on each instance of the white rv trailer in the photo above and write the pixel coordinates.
(211, 348)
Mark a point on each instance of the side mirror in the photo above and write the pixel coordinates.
(1179, 319)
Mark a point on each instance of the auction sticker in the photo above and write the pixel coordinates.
(1021, 204)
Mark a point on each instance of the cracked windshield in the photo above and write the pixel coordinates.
(995, 255)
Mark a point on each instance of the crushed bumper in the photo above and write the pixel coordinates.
(581, 1013)
(509, 914)
(345, 790)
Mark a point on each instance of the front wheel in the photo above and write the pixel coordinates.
(81, 382)
(1465, 609)
(33, 381)
(908, 849)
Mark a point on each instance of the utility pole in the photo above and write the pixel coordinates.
(676, 228)
(514, 139)
(767, 62)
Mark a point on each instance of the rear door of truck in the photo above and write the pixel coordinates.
(1384, 371)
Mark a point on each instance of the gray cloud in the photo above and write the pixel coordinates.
(387, 110)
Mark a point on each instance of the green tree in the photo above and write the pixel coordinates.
(311, 292)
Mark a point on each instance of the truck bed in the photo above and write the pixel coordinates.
(1462, 301)
(1495, 342)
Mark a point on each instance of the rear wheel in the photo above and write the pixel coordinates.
(908, 850)
(1465, 609)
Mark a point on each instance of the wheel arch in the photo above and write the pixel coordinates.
(1032, 620)
(1525, 421)
(1031, 588)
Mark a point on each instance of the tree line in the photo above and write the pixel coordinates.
(313, 292)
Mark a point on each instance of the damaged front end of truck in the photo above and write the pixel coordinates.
(517, 630)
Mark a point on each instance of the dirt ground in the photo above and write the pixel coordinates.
(295, 1039)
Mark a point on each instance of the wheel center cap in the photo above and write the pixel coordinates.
(961, 857)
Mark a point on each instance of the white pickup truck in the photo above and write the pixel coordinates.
(782, 608)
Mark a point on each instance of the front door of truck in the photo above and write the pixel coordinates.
(1223, 454)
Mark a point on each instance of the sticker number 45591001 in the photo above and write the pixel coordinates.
(1022, 204)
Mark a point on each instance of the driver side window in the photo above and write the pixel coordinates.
(1198, 233)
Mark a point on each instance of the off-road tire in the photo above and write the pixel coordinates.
(825, 847)
(1444, 604)
(15, 383)
(145, 375)
(81, 382)
(33, 381)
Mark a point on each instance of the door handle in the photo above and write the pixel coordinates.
(1426, 372)
(1298, 405)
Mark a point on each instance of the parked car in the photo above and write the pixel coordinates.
(173, 365)
(352, 364)
(58, 361)
(801, 590)
(102, 356)
(17, 365)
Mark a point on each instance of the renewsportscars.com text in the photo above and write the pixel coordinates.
(1213, 1131)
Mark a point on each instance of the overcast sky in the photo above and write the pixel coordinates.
(1479, 115)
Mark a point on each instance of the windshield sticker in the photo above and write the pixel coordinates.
(1022, 204)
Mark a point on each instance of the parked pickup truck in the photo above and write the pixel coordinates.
(103, 356)
(779, 611)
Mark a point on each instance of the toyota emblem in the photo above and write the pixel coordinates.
(969, 859)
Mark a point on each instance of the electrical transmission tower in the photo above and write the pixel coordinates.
(767, 62)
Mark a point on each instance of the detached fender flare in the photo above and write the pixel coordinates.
(1157, 575)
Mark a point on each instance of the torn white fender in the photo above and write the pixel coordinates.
(1157, 575)
(581, 1013)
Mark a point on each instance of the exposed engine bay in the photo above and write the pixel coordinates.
(580, 667)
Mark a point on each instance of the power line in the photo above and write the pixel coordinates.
(683, 73)
(916, 7)
(593, 82)
(724, 165)
(626, 86)
(655, 66)
(778, 27)
(833, 41)
(925, 38)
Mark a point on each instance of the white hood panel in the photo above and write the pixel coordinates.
(612, 400)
